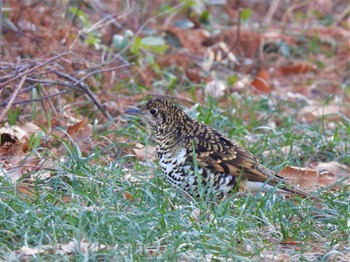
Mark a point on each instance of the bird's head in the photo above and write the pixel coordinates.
(159, 114)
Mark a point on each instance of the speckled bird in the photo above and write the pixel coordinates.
(198, 159)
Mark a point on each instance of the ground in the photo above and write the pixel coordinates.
(80, 180)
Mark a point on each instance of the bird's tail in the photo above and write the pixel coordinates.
(282, 183)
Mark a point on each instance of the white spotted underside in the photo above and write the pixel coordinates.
(180, 172)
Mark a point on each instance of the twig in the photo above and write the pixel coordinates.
(272, 11)
(233, 45)
(342, 15)
(48, 82)
(291, 9)
(36, 99)
(87, 90)
(33, 68)
(13, 96)
(16, 70)
(100, 71)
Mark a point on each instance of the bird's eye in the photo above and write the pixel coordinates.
(153, 111)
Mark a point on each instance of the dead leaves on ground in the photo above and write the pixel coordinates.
(17, 157)
(144, 153)
(261, 81)
(330, 112)
(81, 133)
(317, 176)
(69, 248)
(250, 53)
(294, 69)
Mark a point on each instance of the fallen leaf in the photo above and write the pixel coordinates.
(339, 170)
(215, 88)
(20, 131)
(8, 143)
(188, 39)
(247, 45)
(310, 179)
(81, 134)
(128, 196)
(68, 248)
(73, 129)
(67, 199)
(182, 60)
(30, 251)
(145, 152)
(261, 81)
(196, 75)
(290, 242)
(332, 112)
(25, 189)
(301, 68)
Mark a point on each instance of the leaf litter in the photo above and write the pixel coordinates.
(55, 81)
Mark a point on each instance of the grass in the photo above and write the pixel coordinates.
(129, 209)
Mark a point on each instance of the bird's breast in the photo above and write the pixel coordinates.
(173, 164)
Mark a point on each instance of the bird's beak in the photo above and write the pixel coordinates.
(132, 111)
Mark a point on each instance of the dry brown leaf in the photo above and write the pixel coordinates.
(339, 170)
(182, 60)
(332, 112)
(25, 189)
(67, 199)
(20, 131)
(84, 245)
(196, 75)
(247, 45)
(68, 248)
(301, 68)
(189, 39)
(80, 133)
(145, 153)
(30, 251)
(8, 143)
(261, 81)
(78, 127)
(310, 179)
(290, 242)
(128, 196)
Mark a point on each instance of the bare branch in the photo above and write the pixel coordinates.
(87, 90)
(33, 69)
(13, 96)
(100, 71)
(36, 99)
(272, 10)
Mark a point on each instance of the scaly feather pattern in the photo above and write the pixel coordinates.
(180, 140)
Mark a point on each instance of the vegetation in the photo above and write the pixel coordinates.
(79, 179)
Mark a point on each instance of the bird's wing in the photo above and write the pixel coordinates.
(219, 154)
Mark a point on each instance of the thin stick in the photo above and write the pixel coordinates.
(87, 90)
(342, 15)
(238, 34)
(48, 82)
(33, 68)
(100, 71)
(272, 10)
(13, 97)
(36, 99)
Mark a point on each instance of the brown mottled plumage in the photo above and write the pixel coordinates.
(217, 163)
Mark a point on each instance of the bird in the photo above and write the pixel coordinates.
(199, 160)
